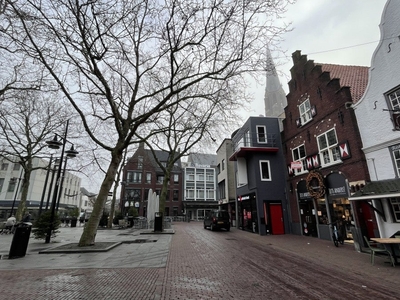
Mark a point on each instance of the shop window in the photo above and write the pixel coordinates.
(328, 148)
(395, 204)
(322, 212)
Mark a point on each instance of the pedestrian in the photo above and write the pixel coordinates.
(10, 223)
(27, 217)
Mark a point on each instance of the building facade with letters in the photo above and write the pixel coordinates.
(322, 146)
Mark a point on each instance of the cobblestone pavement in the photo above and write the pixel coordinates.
(204, 264)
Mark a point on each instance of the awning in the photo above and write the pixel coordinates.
(389, 188)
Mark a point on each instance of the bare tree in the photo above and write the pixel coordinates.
(27, 120)
(187, 127)
(120, 63)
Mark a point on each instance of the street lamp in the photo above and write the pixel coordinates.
(14, 179)
(55, 144)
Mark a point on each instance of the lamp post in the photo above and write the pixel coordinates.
(16, 192)
(55, 144)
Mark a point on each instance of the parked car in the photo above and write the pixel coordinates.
(217, 219)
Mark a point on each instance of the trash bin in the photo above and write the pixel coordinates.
(20, 241)
(158, 222)
(130, 221)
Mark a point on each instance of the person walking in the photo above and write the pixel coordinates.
(27, 217)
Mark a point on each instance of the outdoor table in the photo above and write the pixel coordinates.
(391, 242)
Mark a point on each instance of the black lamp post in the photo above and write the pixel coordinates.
(16, 192)
(55, 144)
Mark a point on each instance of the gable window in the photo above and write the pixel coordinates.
(395, 204)
(261, 134)
(265, 170)
(140, 162)
(176, 178)
(299, 154)
(305, 112)
(328, 148)
(394, 100)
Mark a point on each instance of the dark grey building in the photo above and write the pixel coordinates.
(260, 177)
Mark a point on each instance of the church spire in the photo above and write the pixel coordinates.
(275, 97)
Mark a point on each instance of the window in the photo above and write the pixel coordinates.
(1, 184)
(395, 203)
(210, 175)
(190, 194)
(148, 177)
(299, 154)
(328, 148)
(261, 134)
(16, 167)
(11, 186)
(134, 195)
(176, 178)
(160, 178)
(394, 105)
(265, 170)
(305, 112)
(4, 166)
(221, 189)
(175, 195)
(140, 162)
(223, 164)
(135, 177)
(146, 194)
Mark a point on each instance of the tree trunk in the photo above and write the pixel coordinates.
(24, 193)
(112, 210)
(90, 230)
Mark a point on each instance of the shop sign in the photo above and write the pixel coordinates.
(337, 186)
(296, 165)
(302, 191)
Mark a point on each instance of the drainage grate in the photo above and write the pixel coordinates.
(139, 241)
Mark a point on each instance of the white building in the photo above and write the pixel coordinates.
(378, 117)
(41, 186)
(200, 182)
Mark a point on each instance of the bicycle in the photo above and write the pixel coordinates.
(337, 235)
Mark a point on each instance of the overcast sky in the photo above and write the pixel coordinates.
(342, 32)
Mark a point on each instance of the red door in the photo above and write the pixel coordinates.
(369, 219)
(277, 226)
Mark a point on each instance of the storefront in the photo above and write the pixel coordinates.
(306, 210)
(323, 201)
(248, 219)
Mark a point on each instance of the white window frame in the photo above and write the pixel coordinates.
(261, 137)
(394, 99)
(148, 177)
(305, 111)
(395, 206)
(269, 170)
(176, 178)
(329, 153)
(396, 159)
(300, 158)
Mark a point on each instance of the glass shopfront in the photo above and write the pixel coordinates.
(248, 213)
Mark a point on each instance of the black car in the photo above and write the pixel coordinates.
(217, 219)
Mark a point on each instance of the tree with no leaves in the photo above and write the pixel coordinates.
(27, 120)
(121, 63)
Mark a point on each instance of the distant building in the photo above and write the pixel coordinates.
(226, 179)
(200, 182)
(275, 97)
(41, 187)
(142, 173)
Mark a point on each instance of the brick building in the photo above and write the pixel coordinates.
(322, 145)
(142, 173)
